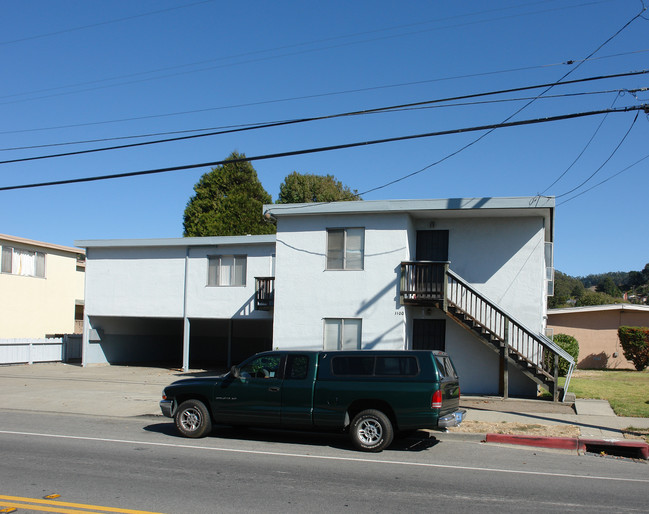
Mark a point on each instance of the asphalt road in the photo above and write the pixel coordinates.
(141, 464)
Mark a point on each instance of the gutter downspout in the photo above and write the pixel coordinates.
(185, 318)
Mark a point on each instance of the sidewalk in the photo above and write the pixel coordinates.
(126, 391)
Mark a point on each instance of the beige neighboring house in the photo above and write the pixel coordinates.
(41, 288)
(595, 328)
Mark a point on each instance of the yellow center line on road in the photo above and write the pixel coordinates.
(55, 506)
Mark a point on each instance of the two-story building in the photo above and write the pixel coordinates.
(41, 288)
(469, 276)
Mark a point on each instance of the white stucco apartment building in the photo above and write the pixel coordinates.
(41, 288)
(469, 276)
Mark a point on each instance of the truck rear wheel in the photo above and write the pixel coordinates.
(193, 419)
(371, 431)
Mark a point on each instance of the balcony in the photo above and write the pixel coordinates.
(423, 282)
(264, 293)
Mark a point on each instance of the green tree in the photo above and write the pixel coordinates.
(607, 286)
(306, 188)
(591, 298)
(228, 201)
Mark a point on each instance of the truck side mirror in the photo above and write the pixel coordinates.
(235, 371)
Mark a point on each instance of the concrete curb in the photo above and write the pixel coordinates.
(626, 447)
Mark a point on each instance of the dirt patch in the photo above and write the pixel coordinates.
(482, 427)
(636, 433)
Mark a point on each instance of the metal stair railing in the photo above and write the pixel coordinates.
(536, 350)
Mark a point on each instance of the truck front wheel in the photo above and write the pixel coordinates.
(371, 431)
(193, 419)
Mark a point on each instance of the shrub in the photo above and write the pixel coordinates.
(635, 344)
(570, 345)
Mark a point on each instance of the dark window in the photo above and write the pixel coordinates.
(403, 366)
(353, 365)
(297, 367)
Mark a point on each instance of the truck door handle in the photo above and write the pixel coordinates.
(273, 389)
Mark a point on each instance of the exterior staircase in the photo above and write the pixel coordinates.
(534, 354)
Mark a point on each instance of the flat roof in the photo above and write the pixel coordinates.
(40, 244)
(485, 207)
(599, 308)
(525, 203)
(177, 241)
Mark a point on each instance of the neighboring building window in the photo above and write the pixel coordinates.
(345, 248)
(23, 262)
(226, 270)
(342, 334)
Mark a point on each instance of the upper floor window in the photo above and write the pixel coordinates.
(345, 248)
(23, 262)
(226, 270)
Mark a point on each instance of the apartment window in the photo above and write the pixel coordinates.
(226, 270)
(549, 268)
(345, 248)
(23, 262)
(342, 334)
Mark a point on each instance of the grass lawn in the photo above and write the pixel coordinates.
(626, 391)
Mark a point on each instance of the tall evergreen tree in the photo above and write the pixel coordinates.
(228, 201)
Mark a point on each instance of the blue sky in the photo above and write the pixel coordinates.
(76, 71)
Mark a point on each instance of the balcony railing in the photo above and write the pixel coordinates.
(423, 282)
(264, 293)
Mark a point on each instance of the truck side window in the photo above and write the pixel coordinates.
(297, 367)
(265, 366)
(396, 366)
(361, 366)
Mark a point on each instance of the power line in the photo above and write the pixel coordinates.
(325, 148)
(582, 151)
(384, 109)
(282, 48)
(605, 180)
(606, 161)
(99, 24)
(256, 125)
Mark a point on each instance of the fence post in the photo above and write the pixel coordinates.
(445, 288)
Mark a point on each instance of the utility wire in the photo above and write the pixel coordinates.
(468, 145)
(319, 95)
(282, 55)
(241, 125)
(606, 161)
(605, 180)
(383, 109)
(107, 22)
(325, 148)
(582, 151)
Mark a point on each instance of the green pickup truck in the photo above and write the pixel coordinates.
(370, 394)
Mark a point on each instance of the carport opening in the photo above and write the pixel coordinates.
(153, 342)
(218, 343)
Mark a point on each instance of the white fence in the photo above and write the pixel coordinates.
(21, 351)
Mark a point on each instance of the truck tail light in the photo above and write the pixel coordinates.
(437, 400)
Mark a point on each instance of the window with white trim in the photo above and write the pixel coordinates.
(226, 270)
(342, 334)
(345, 248)
(22, 262)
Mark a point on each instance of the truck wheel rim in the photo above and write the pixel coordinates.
(370, 431)
(190, 419)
